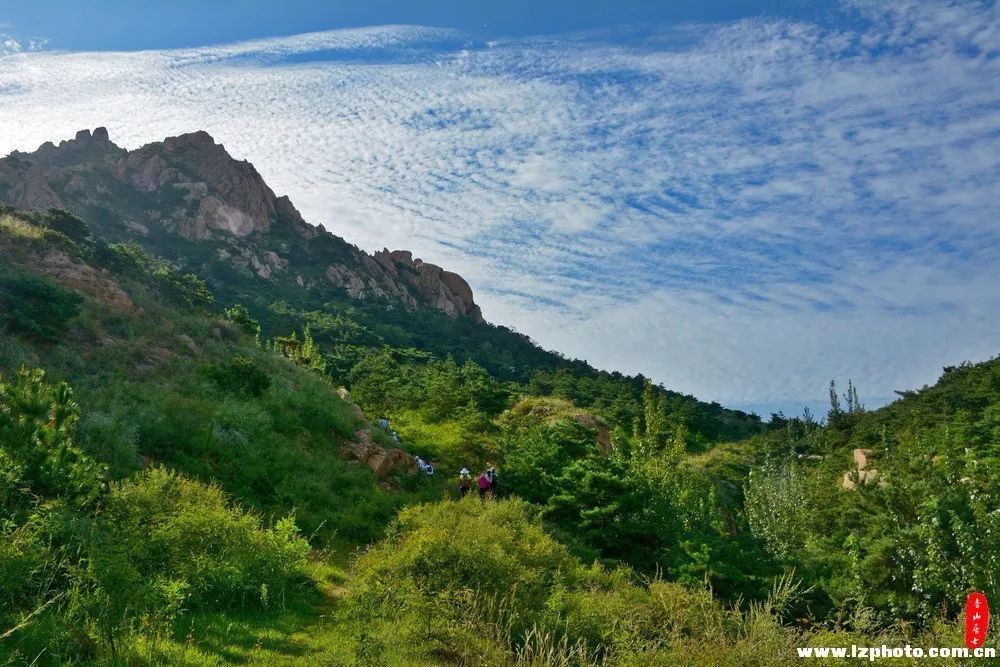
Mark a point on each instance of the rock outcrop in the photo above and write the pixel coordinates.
(26, 186)
(444, 290)
(397, 275)
(601, 429)
(84, 278)
(231, 195)
(864, 473)
(383, 461)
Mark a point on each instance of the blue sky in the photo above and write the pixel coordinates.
(130, 25)
(741, 200)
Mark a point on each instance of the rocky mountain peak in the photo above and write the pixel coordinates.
(231, 195)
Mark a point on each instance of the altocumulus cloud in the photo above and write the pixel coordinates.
(742, 211)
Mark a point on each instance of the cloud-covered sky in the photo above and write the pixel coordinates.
(741, 209)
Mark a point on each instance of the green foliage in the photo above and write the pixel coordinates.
(189, 534)
(635, 404)
(82, 566)
(447, 388)
(536, 457)
(624, 506)
(186, 288)
(775, 498)
(70, 226)
(475, 582)
(302, 353)
(380, 383)
(614, 481)
(912, 537)
(36, 308)
(444, 560)
(38, 457)
(278, 452)
(241, 317)
(240, 375)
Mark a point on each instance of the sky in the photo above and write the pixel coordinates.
(742, 200)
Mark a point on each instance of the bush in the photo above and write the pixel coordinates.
(174, 529)
(240, 375)
(472, 582)
(36, 308)
(72, 227)
(241, 317)
(451, 558)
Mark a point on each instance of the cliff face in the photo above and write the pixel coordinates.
(189, 187)
(396, 275)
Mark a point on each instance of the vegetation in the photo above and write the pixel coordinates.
(175, 489)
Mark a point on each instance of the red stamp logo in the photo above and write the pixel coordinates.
(977, 619)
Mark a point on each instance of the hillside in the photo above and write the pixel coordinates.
(183, 483)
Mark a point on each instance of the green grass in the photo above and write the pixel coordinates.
(316, 628)
(18, 229)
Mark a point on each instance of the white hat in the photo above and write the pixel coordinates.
(463, 471)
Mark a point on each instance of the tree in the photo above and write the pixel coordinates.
(71, 226)
(378, 382)
(303, 352)
(774, 499)
(241, 317)
(851, 397)
(835, 409)
(39, 459)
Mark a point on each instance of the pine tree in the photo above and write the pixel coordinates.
(835, 409)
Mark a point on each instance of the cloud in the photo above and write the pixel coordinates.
(742, 210)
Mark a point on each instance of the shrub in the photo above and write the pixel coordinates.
(36, 308)
(472, 582)
(240, 375)
(447, 559)
(241, 317)
(775, 497)
(75, 229)
(171, 528)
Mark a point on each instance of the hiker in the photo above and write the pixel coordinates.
(394, 436)
(383, 424)
(484, 485)
(491, 474)
(425, 466)
(464, 482)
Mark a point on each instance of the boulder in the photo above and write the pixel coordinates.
(383, 461)
(862, 458)
(864, 474)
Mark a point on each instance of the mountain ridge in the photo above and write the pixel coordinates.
(189, 188)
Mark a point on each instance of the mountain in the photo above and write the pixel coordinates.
(185, 199)
(187, 190)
